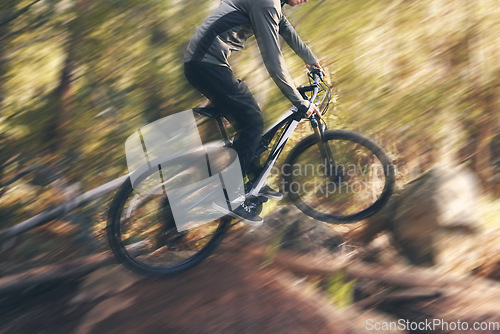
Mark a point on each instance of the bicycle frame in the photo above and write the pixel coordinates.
(288, 122)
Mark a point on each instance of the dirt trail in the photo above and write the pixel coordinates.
(227, 293)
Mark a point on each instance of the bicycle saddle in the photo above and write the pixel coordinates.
(209, 111)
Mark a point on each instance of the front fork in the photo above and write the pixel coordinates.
(325, 150)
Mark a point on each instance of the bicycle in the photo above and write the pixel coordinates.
(321, 174)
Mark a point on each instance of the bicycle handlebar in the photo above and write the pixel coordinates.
(313, 87)
(317, 83)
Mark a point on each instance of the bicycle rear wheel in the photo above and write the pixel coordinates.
(350, 183)
(143, 236)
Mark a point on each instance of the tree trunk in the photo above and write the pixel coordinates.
(483, 156)
(6, 9)
(483, 91)
(58, 272)
(61, 100)
(59, 211)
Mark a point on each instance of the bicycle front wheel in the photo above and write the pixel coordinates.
(143, 236)
(344, 178)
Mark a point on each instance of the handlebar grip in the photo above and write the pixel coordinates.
(316, 71)
(316, 88)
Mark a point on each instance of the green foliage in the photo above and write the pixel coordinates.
(273, 247)
(340, 289)
(78, 76)
(393, 62)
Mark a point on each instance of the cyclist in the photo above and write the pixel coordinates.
(207, 68)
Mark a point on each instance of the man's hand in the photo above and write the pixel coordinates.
(313, 109)
(317, 65)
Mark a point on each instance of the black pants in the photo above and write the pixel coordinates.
(234, 101)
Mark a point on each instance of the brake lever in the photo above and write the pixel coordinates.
(317, 71)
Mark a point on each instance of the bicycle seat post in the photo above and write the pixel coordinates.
(211, 112)
(223, 131)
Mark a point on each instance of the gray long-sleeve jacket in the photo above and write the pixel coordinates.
(233, 22)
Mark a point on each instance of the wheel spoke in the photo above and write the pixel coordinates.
(147, 220)
(352, 191)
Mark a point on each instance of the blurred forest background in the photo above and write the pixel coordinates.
(77, 77)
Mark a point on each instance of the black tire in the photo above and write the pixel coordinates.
(151, 258)
(347, 147)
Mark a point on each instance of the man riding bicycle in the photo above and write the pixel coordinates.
(207, 69)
